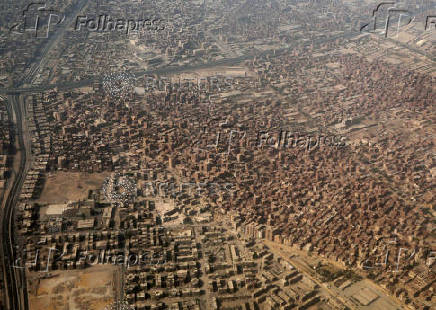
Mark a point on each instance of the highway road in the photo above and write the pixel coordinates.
(42, 59)
(277, 249)
(16, 293)
(15, 278)
(16, 297)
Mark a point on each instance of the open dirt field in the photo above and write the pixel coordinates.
(233, 71)
(91, 289)
(60, 187)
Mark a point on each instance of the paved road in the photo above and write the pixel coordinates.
(300, 262)
(302, 267)
(14, 278)
(41, 60)
(15, 296)
(170, 69)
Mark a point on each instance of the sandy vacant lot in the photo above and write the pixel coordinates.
(92, 288)
(60, 187)
(234, 71)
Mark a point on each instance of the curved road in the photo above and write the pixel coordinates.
(16, 293)
(14, 278)
(16, 298)
(170, 69)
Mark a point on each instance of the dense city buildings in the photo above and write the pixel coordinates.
(217, 155)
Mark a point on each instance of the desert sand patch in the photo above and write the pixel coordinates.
(93, 288)
(61, 187)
